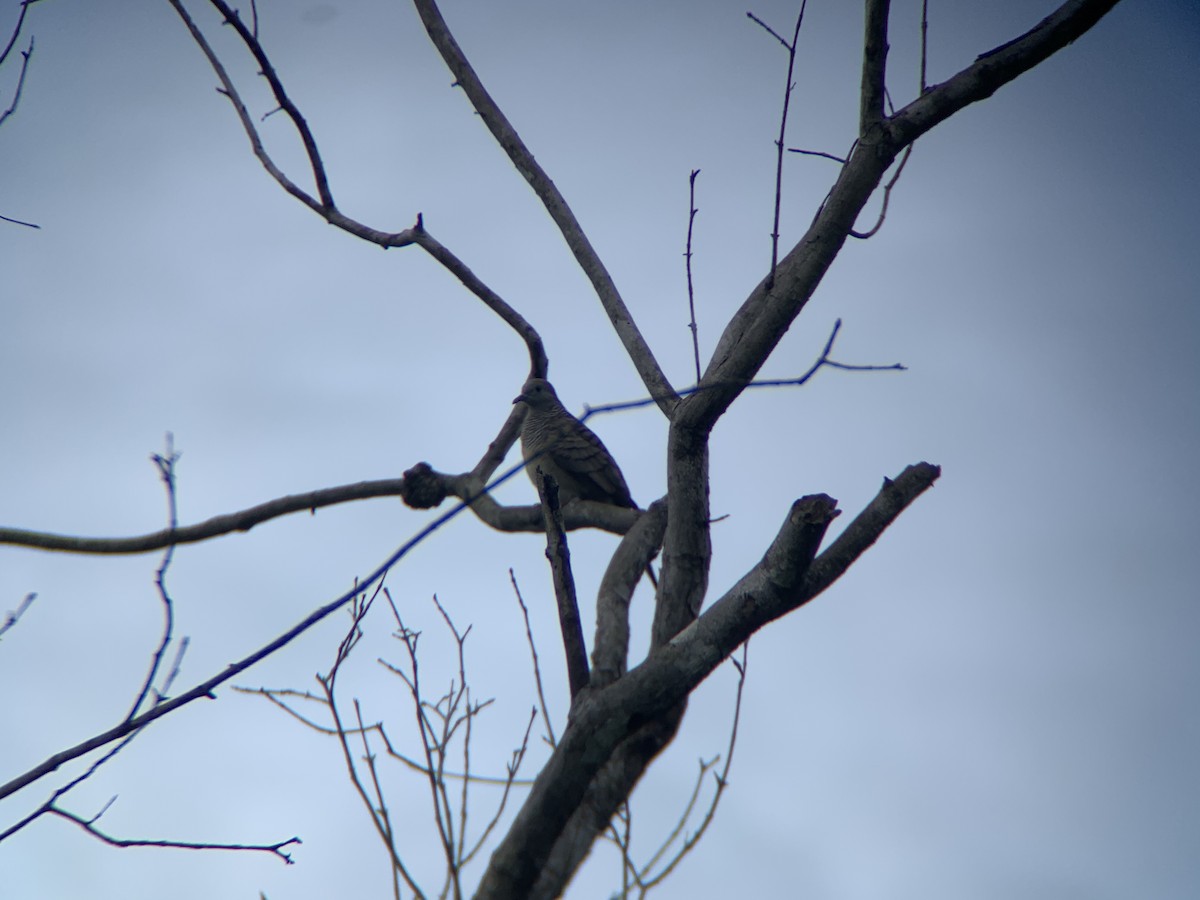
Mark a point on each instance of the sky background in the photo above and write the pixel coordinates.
(999, 700)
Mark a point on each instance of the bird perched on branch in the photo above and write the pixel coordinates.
(560, 445)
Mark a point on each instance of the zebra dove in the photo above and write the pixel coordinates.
(560, 445)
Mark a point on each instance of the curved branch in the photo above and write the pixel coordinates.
(887, 196)
(556, 205)
(243, 520)
(610, 647)
(537, 352)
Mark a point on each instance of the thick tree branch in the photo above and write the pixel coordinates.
(608, 790)
(768, 312)
(418, 481)
(687, 544)
(556, 205)
(996, 68)
(603, 719)
(874, 70)
(610, 650)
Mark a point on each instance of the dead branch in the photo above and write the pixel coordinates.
(650, 694)
(537, 669)
(559, 556)
(12, 617)
(788, 87)
(206, 688)
(89, 825)
(611, 644)
(887, 195)
(721, 782)
(874, 68)
(13, 37)
(556, 205)
(756, 328)
(687, 256)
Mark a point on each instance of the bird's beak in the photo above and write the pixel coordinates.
(520, 398)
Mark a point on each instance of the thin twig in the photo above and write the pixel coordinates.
(821, 153)
(769, 30)
(514, 765)
(165, 463)
(887, 195)
(12, 107)
(325, 206)
(25, 55)
(13, 616)
(89, 826)
(787, 99)
(824, 361)
(20, 222)
(722, 780)
(924, 42)
(687, 255)
(537, 670)
(62, 791)
(267, 71)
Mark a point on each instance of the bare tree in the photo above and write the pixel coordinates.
(623, 713)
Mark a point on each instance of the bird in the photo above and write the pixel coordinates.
(561, 446)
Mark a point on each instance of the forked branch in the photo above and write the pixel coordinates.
(651, 694)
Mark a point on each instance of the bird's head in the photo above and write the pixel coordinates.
(537, 393)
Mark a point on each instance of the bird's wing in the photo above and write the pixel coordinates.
(580, 453)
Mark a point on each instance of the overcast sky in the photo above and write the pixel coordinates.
(999, 700)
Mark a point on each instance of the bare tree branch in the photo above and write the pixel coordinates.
(996, 68)
(537, 352)
(556, 205)
(649, 695)
(13, 37)
(788, 87)
(722, 781)
(89, 825)
(243, 520)
(267, 70)
(687, 256)
(12, 617)
(887, 196)
(610, 652)
(206, 688)
(537, 669)
(761, 322)
(564, 586)
(874, 73)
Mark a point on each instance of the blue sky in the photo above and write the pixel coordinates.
(998, 700)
